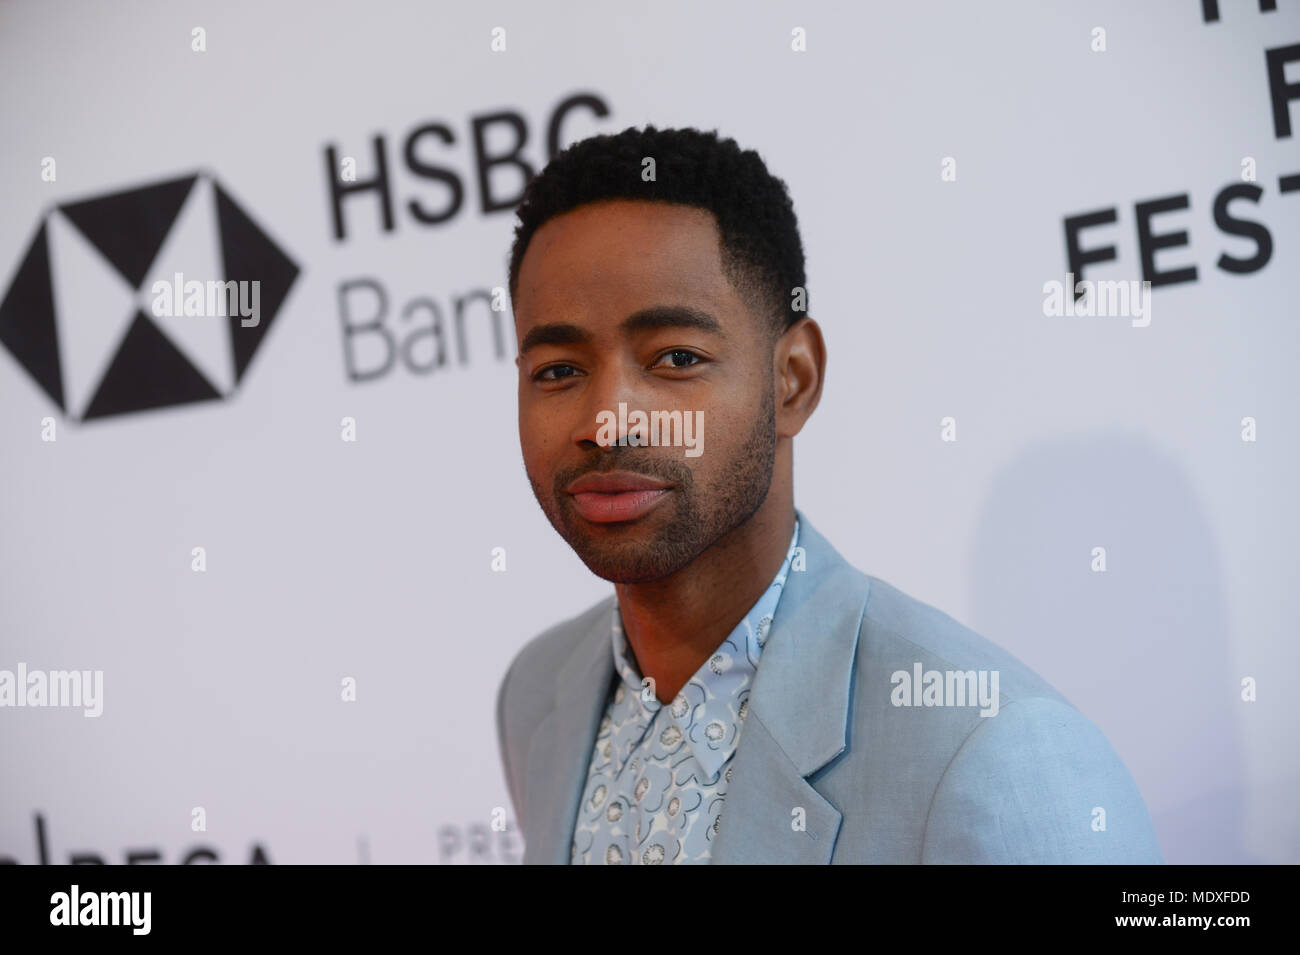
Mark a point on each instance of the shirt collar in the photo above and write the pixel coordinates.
(710, 708)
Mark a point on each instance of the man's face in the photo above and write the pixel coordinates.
(626, 301)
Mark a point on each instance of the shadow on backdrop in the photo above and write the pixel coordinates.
(1141, 649)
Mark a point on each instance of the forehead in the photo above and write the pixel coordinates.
(618, 256)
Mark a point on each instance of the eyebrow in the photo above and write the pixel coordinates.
(647, 319)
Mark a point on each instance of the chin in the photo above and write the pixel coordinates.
(624, 574)
(629, 563)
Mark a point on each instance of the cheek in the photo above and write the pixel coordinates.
(535, 440)
(728, 427)
(727, 435)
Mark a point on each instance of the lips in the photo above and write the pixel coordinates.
(615, 482)
(616, 496)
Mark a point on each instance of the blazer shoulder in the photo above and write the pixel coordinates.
(1038, 784)
(527, 690)
(899, 631)
(1030, 779)
(538, 662)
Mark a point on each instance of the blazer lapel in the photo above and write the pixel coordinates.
(797, 719)
(561, 746)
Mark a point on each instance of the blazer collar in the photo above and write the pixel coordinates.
(797, 722)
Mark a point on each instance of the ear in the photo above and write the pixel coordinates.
(799, 370)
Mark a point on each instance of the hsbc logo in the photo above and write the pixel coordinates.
(77, 315)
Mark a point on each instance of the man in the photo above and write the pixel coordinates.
(745, 695)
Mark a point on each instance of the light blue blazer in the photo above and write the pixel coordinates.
(829, 768)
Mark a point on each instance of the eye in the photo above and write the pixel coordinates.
(693, 359)
(544, 375)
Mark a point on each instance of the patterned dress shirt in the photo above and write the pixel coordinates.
(659, 774)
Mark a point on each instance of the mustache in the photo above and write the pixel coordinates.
(670, 472)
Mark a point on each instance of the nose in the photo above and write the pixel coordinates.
(602, 423)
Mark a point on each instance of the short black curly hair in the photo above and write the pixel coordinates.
(762, 254)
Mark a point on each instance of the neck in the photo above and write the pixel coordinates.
(676, 623)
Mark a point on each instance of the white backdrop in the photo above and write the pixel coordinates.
(371, 559)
